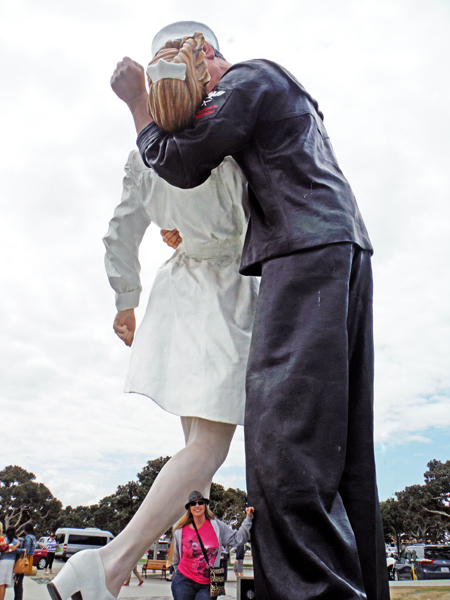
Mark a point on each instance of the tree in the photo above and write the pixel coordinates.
(122, 505)
(421, 512)
(418, 523)
(437, 481)
(393, 521)
(105, 516)
(23, 500)
(79, 517)
(228, 505)
(114, 512)
(428, 505)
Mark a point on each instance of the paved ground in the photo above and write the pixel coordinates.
(34, 588)
(157, 589)
(432, 583)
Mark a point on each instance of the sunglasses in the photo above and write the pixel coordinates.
(195, 502)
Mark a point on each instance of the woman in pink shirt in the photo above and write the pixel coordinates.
(191, 580)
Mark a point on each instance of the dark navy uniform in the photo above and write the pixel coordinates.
(309, 410)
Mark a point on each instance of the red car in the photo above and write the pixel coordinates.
(40, 556)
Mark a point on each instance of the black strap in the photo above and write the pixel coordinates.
(201, 544)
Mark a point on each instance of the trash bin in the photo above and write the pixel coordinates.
(245, 588)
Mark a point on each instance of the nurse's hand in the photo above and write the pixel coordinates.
(125, 325)
(172, 237)
(250, 511)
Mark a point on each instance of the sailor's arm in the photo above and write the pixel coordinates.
(128, 82)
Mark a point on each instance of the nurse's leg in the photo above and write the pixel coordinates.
(192, 468)
(190, 430)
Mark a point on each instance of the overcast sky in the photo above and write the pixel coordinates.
(379, 70)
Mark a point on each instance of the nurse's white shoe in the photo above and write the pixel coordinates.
(82, 578)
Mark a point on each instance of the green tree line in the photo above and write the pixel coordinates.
(420, 513)
(24, 500)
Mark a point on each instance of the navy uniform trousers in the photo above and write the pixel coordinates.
(317, 530)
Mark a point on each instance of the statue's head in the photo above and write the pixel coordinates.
(177, 78)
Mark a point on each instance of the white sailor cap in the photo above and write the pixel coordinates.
(178, 30)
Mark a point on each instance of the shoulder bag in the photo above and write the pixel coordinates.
(23, 564)
(216, 574)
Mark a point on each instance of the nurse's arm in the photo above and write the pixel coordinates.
(125, 325)
(171, 237)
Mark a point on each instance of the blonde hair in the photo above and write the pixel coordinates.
(172, 103)
(187, 519)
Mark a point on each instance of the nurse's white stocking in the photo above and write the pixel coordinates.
(207, 445)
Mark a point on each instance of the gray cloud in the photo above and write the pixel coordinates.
(379, 72)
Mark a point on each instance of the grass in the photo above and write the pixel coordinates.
(420, 593)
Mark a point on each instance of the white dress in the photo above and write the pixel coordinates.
(190, 352)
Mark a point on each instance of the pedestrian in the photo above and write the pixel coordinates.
(136, 572)
(51, 550)
(3, 543)
(7, 559)
(238, 566)
(28, 544)
(197, 539)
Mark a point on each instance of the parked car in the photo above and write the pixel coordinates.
(43, 540)
(40, 556)
(423, 561)
(71, 540)
(390, 562)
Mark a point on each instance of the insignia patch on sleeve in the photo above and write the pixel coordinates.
(212, 103)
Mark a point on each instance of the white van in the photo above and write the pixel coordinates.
(71, 540)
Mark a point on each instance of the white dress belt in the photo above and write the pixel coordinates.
(231, 246)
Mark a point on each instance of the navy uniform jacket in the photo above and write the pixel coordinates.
(263, 117)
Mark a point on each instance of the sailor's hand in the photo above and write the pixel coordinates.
(128, 81)
(171, 237)
(125, 325)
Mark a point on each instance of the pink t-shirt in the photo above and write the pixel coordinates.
(192, 563)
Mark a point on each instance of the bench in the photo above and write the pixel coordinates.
(155, 565)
